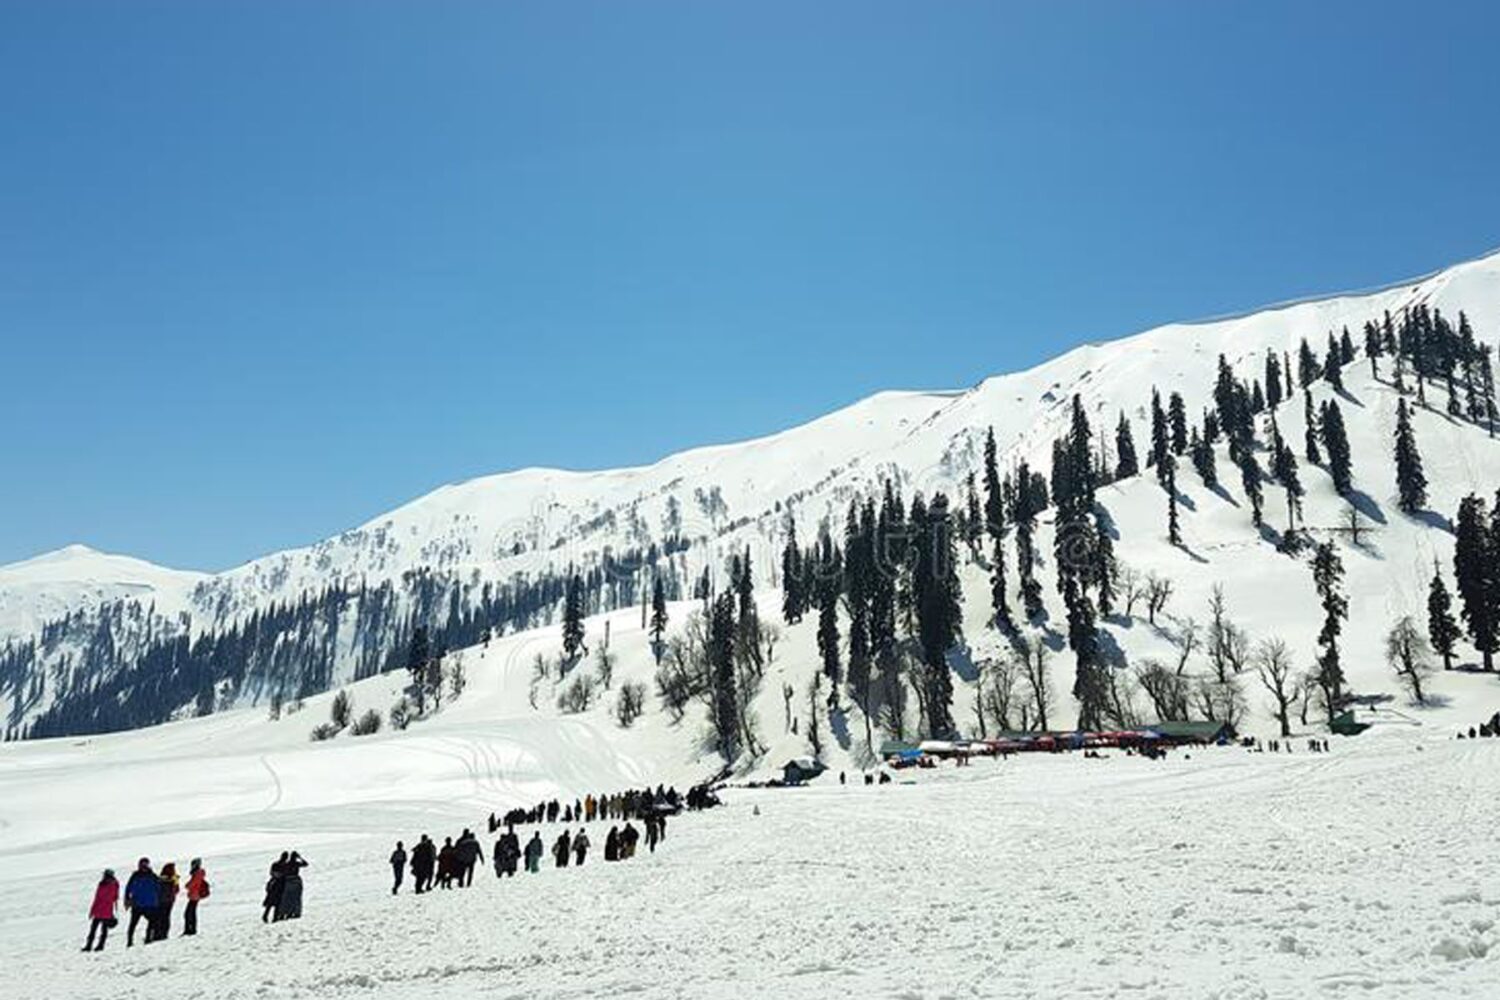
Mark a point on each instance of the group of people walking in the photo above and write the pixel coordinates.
(449, 865)
(631, 804)
(149, 897)
(452, 865)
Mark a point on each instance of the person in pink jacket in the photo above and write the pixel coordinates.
(102, 912)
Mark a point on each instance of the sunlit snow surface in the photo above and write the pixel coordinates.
(1369, 871)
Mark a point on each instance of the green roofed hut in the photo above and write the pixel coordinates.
(801, 769)
(1202, 732)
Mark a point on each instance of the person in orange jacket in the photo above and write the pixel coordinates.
(197, 890)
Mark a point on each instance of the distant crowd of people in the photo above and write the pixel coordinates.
(1485, 729)
(631, 804)
(452, 865)
(149, 897)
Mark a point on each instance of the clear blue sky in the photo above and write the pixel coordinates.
(268, 269)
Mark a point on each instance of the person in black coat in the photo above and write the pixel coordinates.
(423, 860)
(398, 867)
(274, 885)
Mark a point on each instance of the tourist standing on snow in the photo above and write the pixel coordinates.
(507, 853)
(102, 910)
(534, 851)
(447, 863)
(197, 891)
(580, 847)
(161, 924)
(628, 837)
(423, 858)
(612, 845)
(561, 849)
(274, 885)
(289, 903)
(398, 866)
(468, 853)
(141, 894)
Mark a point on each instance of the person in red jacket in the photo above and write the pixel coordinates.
(102, 912)
(197, 890)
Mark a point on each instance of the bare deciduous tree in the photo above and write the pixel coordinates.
(1167, 689)
(630, 703)
(1158, 593)
(1410, 655)
(1032, 655)
(1273, 664)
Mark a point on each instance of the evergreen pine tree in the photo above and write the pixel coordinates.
(1273, 380)
(658, 610)
(1308, 369)
(1476, 571)
(793, 602)
(1442, 630)
(1284, 469)
(573, 628)
(1328, 578)
(1174, 530)
(1336, 443)
(827, 586)
(1333, 364)
(1161, 445)
(417, 656)
(724, 705)
(1127, 464)
(937, 596)
(1310, 435)
(1250, 477)
(1025, 512)
(1373, 348)
(1203, 459)
(1411, 481)
(1177, 418)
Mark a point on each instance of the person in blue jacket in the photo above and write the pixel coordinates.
(142, 896)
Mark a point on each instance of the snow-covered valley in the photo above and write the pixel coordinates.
(1216, 872)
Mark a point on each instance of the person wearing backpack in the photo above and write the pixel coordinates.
(197, 890)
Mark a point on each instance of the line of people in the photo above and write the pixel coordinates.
(453, 864)
(149, 897)
(630, 804)
(447, 866)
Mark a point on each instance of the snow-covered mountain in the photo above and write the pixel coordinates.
(460, 545)
(55, 583)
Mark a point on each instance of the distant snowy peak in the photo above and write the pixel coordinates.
(538, 520)
(54, 583)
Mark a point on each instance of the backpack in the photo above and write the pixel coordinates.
(203, 893)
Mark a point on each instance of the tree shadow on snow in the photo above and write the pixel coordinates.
(1349, 398)
(961, 662)
(1218, 490)
(1432, 519)
(1366, 505)
(838, 723)
(1195, 557)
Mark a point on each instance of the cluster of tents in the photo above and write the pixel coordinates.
(1156, 736)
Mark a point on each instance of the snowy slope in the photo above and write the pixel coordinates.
(52, 584)
(731, 497)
